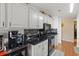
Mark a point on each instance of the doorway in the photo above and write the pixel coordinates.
(67, 30)
(75, 32)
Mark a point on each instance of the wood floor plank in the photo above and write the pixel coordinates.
(67, 48)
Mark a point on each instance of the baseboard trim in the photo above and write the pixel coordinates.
(68, 40)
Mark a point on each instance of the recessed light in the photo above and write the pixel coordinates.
(71, 7)
(59, 10)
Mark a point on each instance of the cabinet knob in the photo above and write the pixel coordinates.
(10, 24)
(3, 23)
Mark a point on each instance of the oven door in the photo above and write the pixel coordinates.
(51, 42)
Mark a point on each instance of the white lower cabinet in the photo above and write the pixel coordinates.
(45, 48)
(40, 49)
(31, 50)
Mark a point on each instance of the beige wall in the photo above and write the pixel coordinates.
(78, 31)
(67, 30)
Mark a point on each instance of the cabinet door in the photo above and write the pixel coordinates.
(33, 18)
(45, 48)
(45, 19)
(2, 14)
(17, 15)
(41, 19)
(51, 22)
(31, 50)
(48, 19)
(38, 49)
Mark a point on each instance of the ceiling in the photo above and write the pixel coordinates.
(58, 9)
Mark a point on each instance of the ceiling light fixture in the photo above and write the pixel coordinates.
(71, 7)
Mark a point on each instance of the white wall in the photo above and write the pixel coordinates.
(68, 30)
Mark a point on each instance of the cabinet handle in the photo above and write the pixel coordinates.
(10, 24)
(3, 23)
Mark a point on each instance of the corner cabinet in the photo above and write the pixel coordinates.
(17, 15)
(2, 15)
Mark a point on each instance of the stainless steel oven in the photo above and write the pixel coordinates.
(51, 44)
(50, 36)
(51, 41)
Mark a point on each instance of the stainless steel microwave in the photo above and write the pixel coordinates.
(46, 26)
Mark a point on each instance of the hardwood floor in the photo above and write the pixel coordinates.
(67, 48)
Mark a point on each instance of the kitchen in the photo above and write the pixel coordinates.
(23, 27)
(29, 29)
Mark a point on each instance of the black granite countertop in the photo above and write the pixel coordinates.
(37, 41)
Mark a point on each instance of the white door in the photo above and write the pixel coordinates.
(17, 15)
(33, 18)
(2, 15)
(41, 19)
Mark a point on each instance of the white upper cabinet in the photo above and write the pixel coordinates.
(17, 15)
(33, 18)
(41, 19)
(22, 16)
(45, 19)
(2, 15)
(51, 22)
